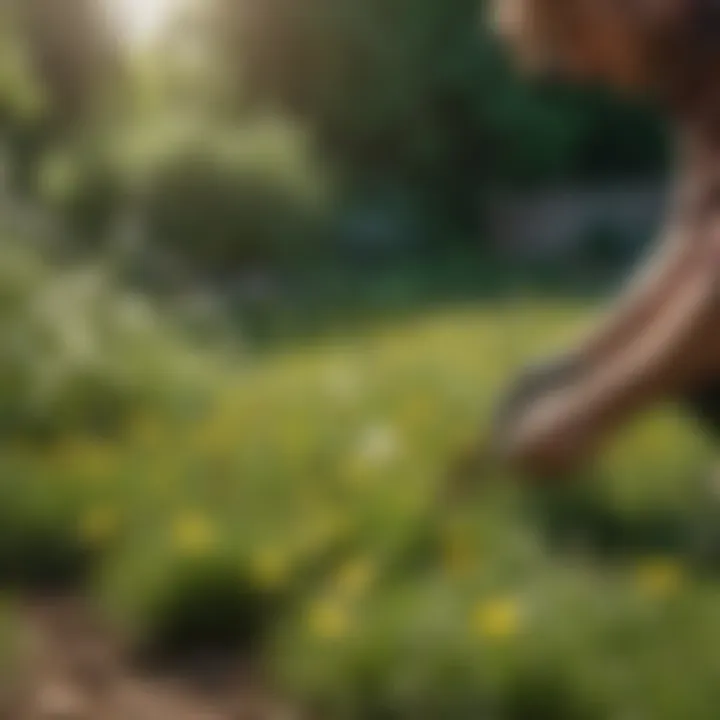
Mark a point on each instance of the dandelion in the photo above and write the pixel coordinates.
(342, 384)
(376, 448)
(328, 619)
(194, 534)
(98, 524)
(497, 619)
(659, 577)
(356, 576)
(379, 444)
(90, 460)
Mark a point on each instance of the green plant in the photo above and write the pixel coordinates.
(219, 199)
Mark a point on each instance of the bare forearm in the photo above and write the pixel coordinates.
(645, 293)
(679, 347)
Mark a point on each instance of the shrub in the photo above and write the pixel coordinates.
(171, 604)
(221, 199)
(39, 541)
(79, 353)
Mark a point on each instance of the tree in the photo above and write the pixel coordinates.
(415, 90)
(72, 50)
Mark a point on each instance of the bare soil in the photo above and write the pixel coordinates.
(72, 668)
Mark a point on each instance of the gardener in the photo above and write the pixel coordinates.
(662, 341)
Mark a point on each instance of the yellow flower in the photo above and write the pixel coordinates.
(90, 460)
(356, 576)
(659, 577)
(98, 524)
(270, 567)
(328, 619)
(497, 619)
(194, 534)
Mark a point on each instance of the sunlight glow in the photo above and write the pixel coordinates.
(139, 22)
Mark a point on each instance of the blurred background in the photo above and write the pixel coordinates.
(264, 267)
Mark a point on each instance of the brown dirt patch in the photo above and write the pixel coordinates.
(72, 668)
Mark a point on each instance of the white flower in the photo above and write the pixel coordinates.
(342, 383)
(135, 314)
(378, 445)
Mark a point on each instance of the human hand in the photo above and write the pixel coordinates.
(551, 438)
(538, 379)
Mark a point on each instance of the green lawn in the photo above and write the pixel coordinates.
(300, 515)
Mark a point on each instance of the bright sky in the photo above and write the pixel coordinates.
(139, 21)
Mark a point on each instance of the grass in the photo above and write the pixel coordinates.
(299, 516)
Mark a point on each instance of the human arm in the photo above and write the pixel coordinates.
(677, 348)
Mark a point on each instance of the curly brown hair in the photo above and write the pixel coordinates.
(666, 47)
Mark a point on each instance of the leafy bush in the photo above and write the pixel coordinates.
(221, 199)
(302, 510)
(176, 604)
(79, 353)
(40, 545)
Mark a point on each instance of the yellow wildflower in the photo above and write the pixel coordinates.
(659, 577)
(91, 460)
(329, 619)
(497, 619)
(194, 534)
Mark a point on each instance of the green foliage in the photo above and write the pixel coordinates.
(79, 352)
(251, 197)
(407, 88)
(59, 64)
(219, 198)
(419, 91)
(40, 546)
(72, 51)
(169, 603)
(300, 515)
(21, 96)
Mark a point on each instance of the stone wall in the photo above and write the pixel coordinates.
(559, 221)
